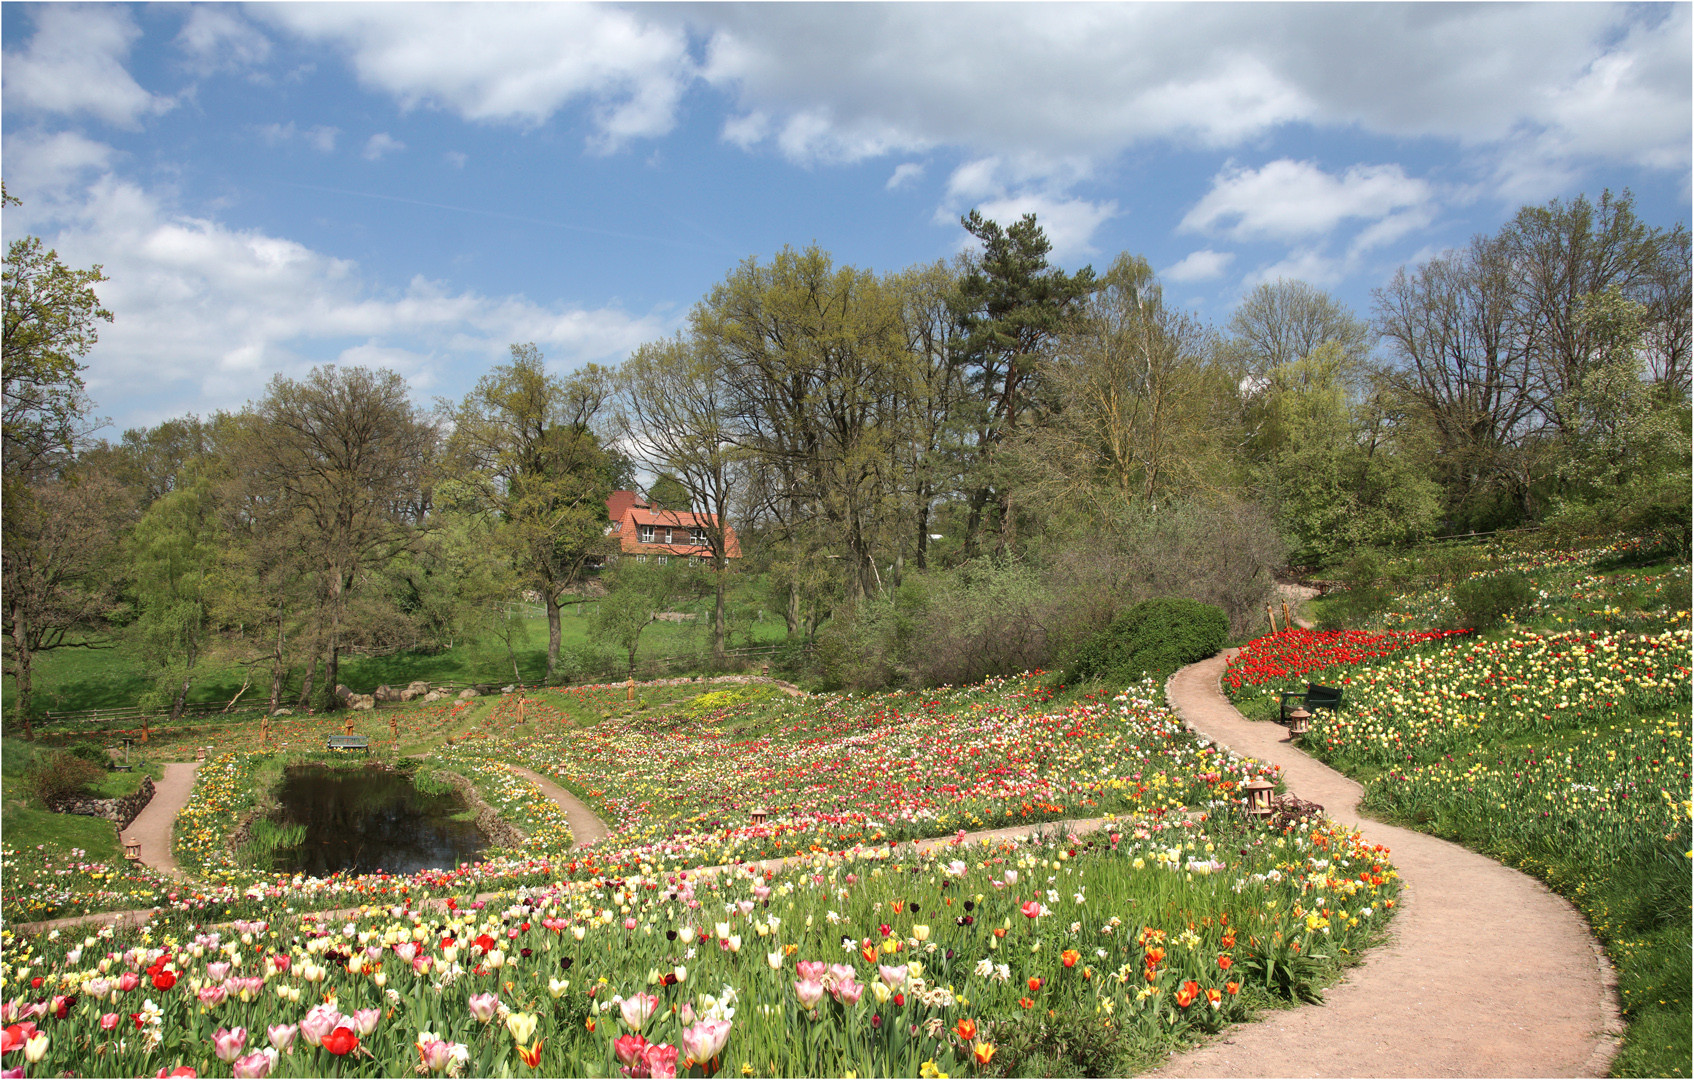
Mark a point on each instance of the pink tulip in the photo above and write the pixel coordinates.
(15, 1073)
(842, 971)
(217, 972)
(97, 988)
(894, 977)
(637, 1009)
(282, 1036)
(212, 995)
(809, 991)
(420, 965)
(228, 1044)
(365, 1020)
(435, 1055)
(629, 1048)
(761, 892)
(848, 992)
(128, 981)
(811, 969)
(705, 1040)
(406, 950)
(109, 1021)
(484, 1006)
(661, 1061)
(319, 1022)
(255, 1066)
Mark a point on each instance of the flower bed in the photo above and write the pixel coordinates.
(874, 964)
(41, 884)
(1279, 661)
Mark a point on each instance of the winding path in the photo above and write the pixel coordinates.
(586, 829)
(153, 825)
(1487, 972)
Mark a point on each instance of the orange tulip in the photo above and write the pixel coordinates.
(1070, 957)
(531, 1055)
(983, 1052)
(966, 1029)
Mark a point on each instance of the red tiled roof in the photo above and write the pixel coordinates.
(633, 513)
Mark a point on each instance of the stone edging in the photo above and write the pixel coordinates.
(121, 811)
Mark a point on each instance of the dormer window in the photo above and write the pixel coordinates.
(697, 537)
(646, 534)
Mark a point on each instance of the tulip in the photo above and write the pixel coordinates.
(484, 1006)
(435, 1054)
(629, 1048)
(255, 1066)
(811, 969)
(128, 981)
(341, 1042)
(660, 1059)
(217, 972)
(227, 1044)
(848, 992)
(522, 1026)
(637, 1009)
(530, 1055)
(557, 987)
(983, 1052)
(319, 1022)
(179, 1071)
(892, 976)
(212, 995)
(365, 1020)
(35, 1048)
(705, 1040)
(809, 991)
(774, 959)
(109, 1021)
(282, 1036)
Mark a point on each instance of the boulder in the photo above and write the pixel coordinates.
(508, 688)
(468, 694)
(342, 693)
(361, 701)
(433, 695)
(283, 712)
(385, 693)
(414, 691)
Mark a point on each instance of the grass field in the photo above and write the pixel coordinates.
(76, 679)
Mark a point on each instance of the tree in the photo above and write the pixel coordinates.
(58, 556)
(523, 451)
(636, 594)
(676, 414)
(1010, 304)
(669, 493)
(1136, 406)
(172, 552)
(50, 312)
(347, 453)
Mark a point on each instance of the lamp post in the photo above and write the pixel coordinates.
(1258, 799)
(1299, 722)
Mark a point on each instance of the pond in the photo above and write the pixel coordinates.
(367, 820)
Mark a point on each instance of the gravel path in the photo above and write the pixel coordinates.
(1487, 972)
(153, 826)
(586, 829)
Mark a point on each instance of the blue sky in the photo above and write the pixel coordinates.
(275, 186)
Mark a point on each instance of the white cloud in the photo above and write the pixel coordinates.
(905, 174)
(455, 158)
(511, 62)
(206, 313)
(1004, 191)
(74, 64)
(320, 138)
(216, 39)
(1287, 200)
(1304, 264)
(380, 144)
(1202, 265)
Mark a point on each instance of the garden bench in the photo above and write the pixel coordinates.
(349, 742)
(1313, 697)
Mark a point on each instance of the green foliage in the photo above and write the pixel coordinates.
(1154, 637)
(667, 493)
(1483, 602)
(62, 776)
(1369, 589)
(716, 700)
(89, 752)
(1072, 1042)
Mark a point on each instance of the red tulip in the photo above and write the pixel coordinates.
(341, 1041)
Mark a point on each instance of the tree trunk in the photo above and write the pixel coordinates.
(923, 537)
(24, 671)
(332, 654)
(718, 627)
(792, 612)
(306, 687)
(979, 500)
(1008, 524)
(899, 569)
(554, 634)
(181, 699)
(276, 669)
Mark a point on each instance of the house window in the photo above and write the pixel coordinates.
(668, 538)
(697, 536)
(698, 560)
(641, 558)
(646, 534)
(662, 559)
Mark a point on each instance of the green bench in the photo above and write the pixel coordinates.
(1311, 699)
(349, 742)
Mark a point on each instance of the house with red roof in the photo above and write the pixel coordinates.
(644, 531)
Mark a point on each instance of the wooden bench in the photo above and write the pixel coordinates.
(1312, 698)
(349, 742)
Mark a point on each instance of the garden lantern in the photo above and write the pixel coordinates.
(1299, 722)
(759, 815)
(199, 753)
(132, 849)
(1258, 798)
(128, 742)
(349, 725)
(394, 728)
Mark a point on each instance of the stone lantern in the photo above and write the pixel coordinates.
(1258, 798)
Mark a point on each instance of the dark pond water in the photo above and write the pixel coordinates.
(366, 820)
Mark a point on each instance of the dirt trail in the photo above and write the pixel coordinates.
(153, 826)
(1487, 972)
(586, 829)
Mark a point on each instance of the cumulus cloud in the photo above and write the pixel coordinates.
(206, 313)
(1202, 265)
(1004, 191)
(74, 65)
(214, 38)
(380, 144)
(320, 138)
(514, 63)
(1287, 200)
(905, 175)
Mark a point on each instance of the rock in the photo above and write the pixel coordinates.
(507, 689)
(361, 701)
(385, 693)
(414, 691)
(483, 688)
(468, 694)
(433, 695)
(283, 712)
(342, 693)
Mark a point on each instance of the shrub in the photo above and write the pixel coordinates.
(63, 776)
(1153, 637)
(87, 751)
(1072, 1042)
(707, 704)
(1483, 602)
